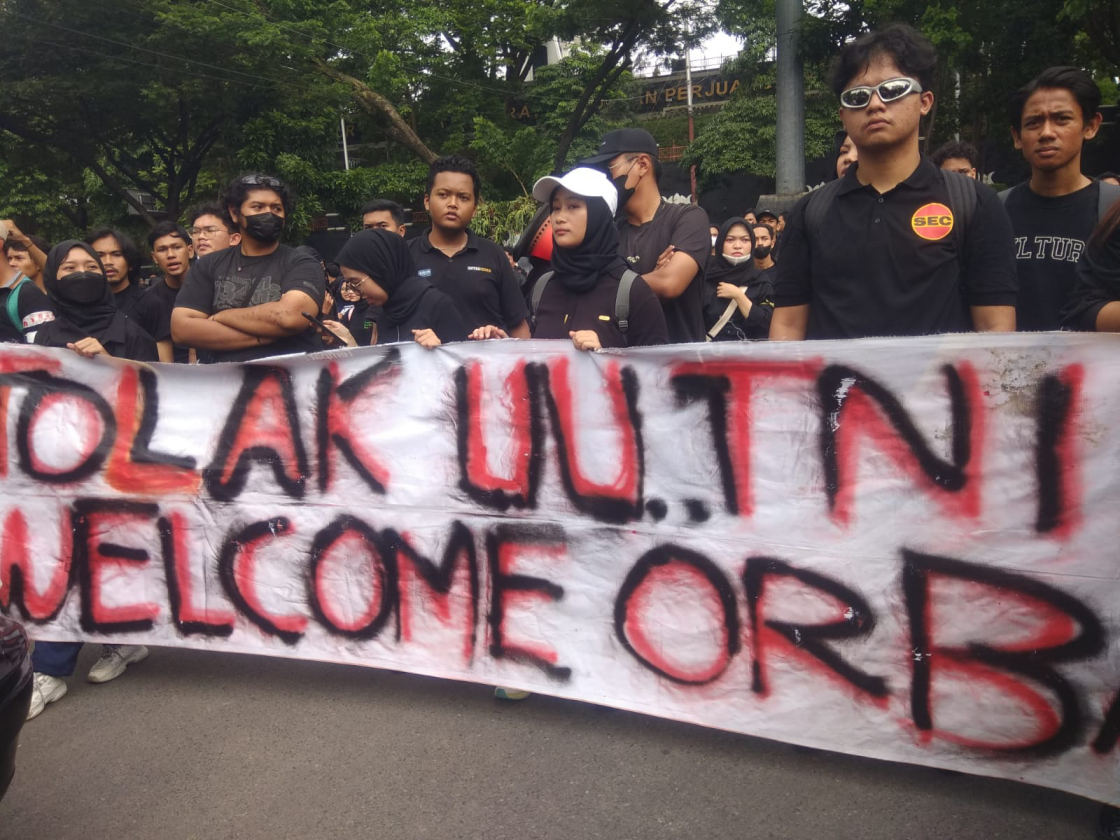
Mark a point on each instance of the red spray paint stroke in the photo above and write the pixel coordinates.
(16, 564)
(728, 388)
(125, 474)
(188, 616)
(89, 422)
(863, 419)
(626, 485)
(438, 585)
(478, 471)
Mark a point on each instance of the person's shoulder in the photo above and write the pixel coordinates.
(419, 244)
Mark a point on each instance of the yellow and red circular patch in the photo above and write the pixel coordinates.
(932, 221)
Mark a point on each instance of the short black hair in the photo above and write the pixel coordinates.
(212, 209)
(956, 149)
(38, 241)
(1074, 79)
(384, 205)
(240, 187)
(769, 228)
(454, 163)
(910, 49)
(168, 228)
(128, 249)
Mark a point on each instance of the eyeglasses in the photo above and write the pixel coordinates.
(354, 283)
(204, 231)
(860, 97)
(260, 181)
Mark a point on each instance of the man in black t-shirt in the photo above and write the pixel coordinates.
(247, 302)
(172, 252)
(885, 250)
(763, 253)
(121, 259)
(668, 244)
(474, 272)
(1054, 212)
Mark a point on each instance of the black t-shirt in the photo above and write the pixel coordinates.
(228, 280)
(479, 280)
(560, 311)
(684, 226)
(34, 310)
(128, 300)
(153, 313)
(1050, 235)
(759, 283)
(1098, 284)
(868, 271)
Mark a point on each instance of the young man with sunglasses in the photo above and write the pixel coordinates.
(247, 302)
(895, 247)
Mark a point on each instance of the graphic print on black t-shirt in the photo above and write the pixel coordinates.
(1050, 236)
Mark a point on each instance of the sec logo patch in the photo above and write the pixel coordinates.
(932, 221)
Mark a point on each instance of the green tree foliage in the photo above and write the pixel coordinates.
(742, 136)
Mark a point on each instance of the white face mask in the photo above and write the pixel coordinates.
(714, 238)
(737, 260)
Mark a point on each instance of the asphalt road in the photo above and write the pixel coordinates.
(211, 746)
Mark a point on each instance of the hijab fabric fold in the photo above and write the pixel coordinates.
(385, 258)
(719, 270)
(578, 269)
(73, 320)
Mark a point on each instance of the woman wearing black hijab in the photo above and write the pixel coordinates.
(86, 316)
(377, 265)
(578, 301)
(737, 303)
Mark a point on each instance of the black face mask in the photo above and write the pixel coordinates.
(264, 227)
(82, 287)
(761, 251)
(624, 192)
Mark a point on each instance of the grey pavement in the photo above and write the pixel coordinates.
(201, 745)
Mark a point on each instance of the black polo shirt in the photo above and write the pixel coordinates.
(479, 279)
(896, 263)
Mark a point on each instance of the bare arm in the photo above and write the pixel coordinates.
(16, 235)
(271, 320)
(166, 351)
(789, 323)
(1108, 319)
(671, 278)
(197, 329)
(993, 318)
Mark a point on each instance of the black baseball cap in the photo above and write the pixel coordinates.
(619, 142)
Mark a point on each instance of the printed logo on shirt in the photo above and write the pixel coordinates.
(424, 272)
(481, 268)
(932, 221)
(36, 319)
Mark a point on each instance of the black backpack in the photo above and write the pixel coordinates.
(621, 298)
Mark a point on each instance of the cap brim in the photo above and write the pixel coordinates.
(596, 160)
(543, 189)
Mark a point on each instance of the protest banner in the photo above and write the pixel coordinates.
(903, 548)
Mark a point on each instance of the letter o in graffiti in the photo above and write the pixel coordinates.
(93, 413)
(334, 553)
(679, 573)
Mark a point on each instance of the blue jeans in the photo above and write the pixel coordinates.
(57, 659)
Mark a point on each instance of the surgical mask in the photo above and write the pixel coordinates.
(737, 260)
(264, 227)
(762, 251)
(82, 287)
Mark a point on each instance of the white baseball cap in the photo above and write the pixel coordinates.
(583, 181)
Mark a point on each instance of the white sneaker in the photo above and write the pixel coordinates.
(114, 659)
(46, 689)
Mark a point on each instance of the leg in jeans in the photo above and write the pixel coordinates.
(57, 659)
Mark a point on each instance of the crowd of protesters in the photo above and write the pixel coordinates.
(899, 244)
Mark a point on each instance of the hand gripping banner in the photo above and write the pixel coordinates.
(905, 549)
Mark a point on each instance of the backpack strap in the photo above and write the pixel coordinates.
(622, 300)
(537, 293)
(13, 303)
(962, 201)
(1110, 194)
